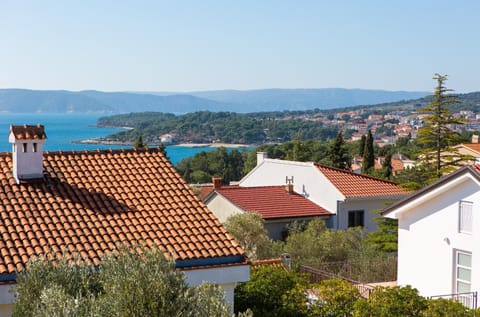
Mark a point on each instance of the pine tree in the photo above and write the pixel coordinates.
(437, 136)
(368, 154)
(338, 154)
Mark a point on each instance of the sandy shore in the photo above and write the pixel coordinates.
(213, 145)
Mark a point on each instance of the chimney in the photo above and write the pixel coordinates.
(289, 185)
(27, 151)
(217, 182)
(474, 138)
(261, 156)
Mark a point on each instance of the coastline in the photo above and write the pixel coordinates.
(187, 145)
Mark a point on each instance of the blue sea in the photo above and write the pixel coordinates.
(64, 129)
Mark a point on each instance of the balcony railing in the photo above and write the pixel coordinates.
(469, 299)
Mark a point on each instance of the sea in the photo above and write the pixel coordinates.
(65, 130)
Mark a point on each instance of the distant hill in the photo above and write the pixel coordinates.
(62, 101)
(302, 99)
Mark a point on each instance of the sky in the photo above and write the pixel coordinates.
(196, 45)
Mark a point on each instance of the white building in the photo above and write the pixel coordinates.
(438, 234)
(351, 198)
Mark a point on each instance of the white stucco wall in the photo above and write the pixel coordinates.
(428, 237)
(6, 300)
(369, 206)
(222, 208)
(307, 178)
(227, 277)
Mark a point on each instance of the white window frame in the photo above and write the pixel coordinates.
(458, 267)
(465, 217)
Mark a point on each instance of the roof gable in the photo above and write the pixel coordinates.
(353, 185)
(272, 202)
(440, 187)
(90, 202)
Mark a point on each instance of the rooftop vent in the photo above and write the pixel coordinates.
(27, 151)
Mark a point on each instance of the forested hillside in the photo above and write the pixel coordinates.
(207, 127)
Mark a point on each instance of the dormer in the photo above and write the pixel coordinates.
(27, 151)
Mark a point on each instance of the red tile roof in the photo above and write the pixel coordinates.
(275, 263)
(272, 202)
(28, 132)
(358, 185)
(90, 202)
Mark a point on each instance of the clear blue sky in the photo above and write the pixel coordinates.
(179, 45)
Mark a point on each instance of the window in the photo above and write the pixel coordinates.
(355, 218)
(24, 147)
(34, 147)
(465, 217)
(463, 271)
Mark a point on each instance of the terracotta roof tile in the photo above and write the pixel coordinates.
(271, 202)
(358, 185)
(91, 201)
(28, 132)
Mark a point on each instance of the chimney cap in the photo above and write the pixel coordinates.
(28, 132)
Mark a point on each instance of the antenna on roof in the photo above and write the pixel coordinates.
(289, 181)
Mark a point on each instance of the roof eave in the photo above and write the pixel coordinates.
(395, 208)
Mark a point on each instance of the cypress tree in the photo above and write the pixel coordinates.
(387, 166)
(368, 154)
(338, 154)
(362, 146)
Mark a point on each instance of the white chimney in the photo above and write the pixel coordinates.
(474, 138)
(27, 151)
(261, 156)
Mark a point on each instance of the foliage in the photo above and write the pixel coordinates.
(391, 301)
(368, 154)
(437, 136)
(131, 282)
(139, 143)
(385, 239)
(317, 243)
(207, 127)
(387, 168)
(336, 299)
(227, 164)
(338, 154)
(442, 307)
(361, 145)
(272, 292)
(249, 231)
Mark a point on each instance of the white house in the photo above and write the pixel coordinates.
(90, 202)
(438, 235)
(351, 198)
(277, 205)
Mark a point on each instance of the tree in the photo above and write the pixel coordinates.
(270, 292)
(249, 231)
(387, 169)
(139, 143)
(361, 147)
(131, 282)
(336, 298)
(338, 153)
(391, 301)
(368, 154)
(437, 136)
(385, 239)
(442, 307)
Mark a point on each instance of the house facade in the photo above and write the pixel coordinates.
(277, 205)
(92, 202)
(438, 234)
(351, 198)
